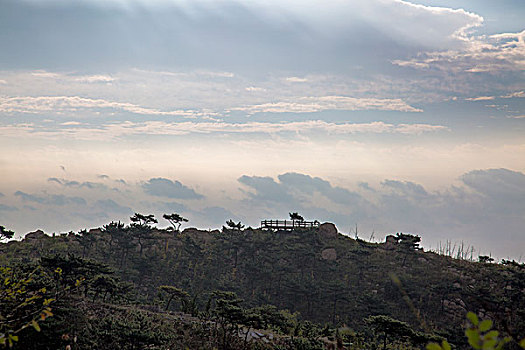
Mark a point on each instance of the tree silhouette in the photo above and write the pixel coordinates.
(485, 259)
(234, 226)
(175, 220)
(115, 230)
(143, 220)
(174, 293)
(228, 313)
(296, 217)
(104, 284)
(408, 241)
(5, 233)
(141, 228)
(86, 241)
(389, 327)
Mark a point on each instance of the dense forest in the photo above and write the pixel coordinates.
(135, 286)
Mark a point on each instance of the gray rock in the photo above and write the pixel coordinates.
(328, 230)
(329, 254)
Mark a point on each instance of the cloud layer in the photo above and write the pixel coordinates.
(488, 201)
(162, 187)
(486, 208)
(69, 104)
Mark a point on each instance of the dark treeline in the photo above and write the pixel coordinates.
(313, 288)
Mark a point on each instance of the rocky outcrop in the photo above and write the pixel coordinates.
(200, 236)
(35, 236)
(328, 230)
(95, 231)
(390, 242)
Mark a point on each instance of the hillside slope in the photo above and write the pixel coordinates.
(324, 276)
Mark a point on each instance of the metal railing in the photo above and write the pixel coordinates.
(288, 224)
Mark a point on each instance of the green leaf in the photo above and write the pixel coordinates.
(445, 345)
(473, 318)
(522, 343)
(433, 346)
(503, 342)
(485, 325)
(35, 325)
(492, 335)
(473, 338)
(489, 344)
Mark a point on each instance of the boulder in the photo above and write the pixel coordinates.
(35, 236)
(200, 236)
(328, 230)
(95, 231)
(329, 254)
(390, 242)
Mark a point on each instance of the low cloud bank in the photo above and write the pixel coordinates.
(486, 208)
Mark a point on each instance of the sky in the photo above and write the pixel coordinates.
(392, 115)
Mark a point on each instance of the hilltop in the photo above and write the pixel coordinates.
(317, 275)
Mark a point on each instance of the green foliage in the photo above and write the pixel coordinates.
(227, 308)
(481, 336)
(264, 273)
(174, 293)
(390, 328)
(269, 317)
(435, 346)
(26, 297)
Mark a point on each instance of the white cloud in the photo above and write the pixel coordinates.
(99, 78)
(520, 94)
(254, 89)
(296, 80)
(33, 105)
(190, 90)
(499, 52)
(481, 98)
(44, 74)
(470, 20)
(183, 128)
(71, 123)
(3, 82)
(103, 132)
(416, 129)
(216, 74)
(516, 94)
(317, 104)
(72, 77)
